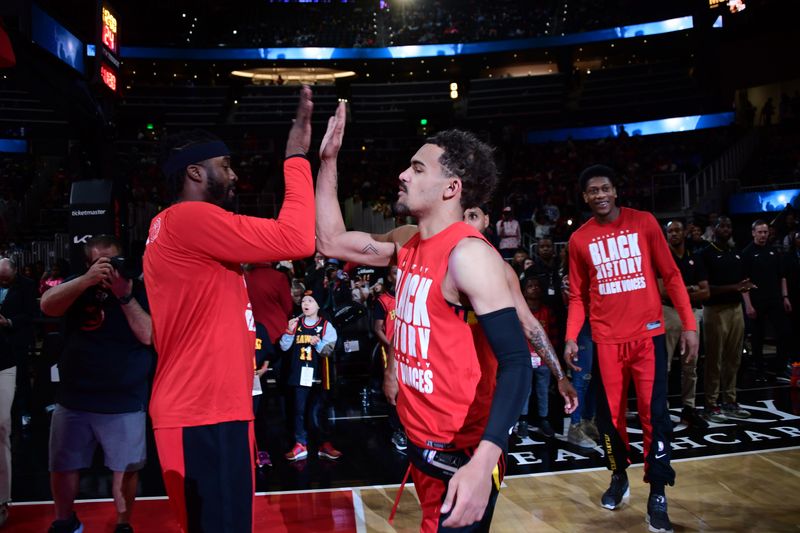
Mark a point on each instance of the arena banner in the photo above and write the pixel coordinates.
(91, 212)
(311, 53)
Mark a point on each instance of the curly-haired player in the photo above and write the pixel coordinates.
(461, 387)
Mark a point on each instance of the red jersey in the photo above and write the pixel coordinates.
(203, 325)
(445, 367)
(271, 297)
(612, 269)
(387, 302)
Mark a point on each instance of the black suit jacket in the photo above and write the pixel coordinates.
(20, 307)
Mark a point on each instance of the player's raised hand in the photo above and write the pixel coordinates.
(299, 139)
(332, 141)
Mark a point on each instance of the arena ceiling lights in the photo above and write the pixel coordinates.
(264, 76)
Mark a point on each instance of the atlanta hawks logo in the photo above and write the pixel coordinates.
(155, 227)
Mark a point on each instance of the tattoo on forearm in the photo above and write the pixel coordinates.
(369, 249)
(540, 342)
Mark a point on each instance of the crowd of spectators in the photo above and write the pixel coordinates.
(395, 22)
(586, 16)
(542, 187)
(539, 183)
(445, 21)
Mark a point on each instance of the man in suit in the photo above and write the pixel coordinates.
(17, 310)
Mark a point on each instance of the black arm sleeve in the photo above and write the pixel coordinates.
(514, 372)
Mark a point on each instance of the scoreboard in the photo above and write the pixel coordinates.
(107, 58)
(734, 6)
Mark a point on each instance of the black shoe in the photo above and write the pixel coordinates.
(522, 429)
(657, 517)
(690, 417)
(619, 489)
(399, 440)
(73, 525)
(545, 428)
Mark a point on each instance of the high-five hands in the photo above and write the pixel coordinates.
(299, 139)
(332, 141)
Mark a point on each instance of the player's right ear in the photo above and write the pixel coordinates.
(194, 173)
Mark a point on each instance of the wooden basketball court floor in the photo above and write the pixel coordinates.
(755, 491)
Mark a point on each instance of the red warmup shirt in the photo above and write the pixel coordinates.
(387, 302)
(445, 367)
(271, 297)
(612, 269)
(203, 325)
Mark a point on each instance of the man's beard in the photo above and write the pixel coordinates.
(401, 209)
(218, 192)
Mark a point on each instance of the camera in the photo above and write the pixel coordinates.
(124, 267)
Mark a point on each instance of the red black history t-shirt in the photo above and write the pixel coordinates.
(612, 270)
(445, 367)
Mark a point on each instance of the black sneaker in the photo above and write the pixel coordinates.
(690, 417)
(545, 428)
(657, 517)
(522, 429)
(619, 489)
(73, 525)
(399, 440)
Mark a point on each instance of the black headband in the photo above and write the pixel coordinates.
(193, 154)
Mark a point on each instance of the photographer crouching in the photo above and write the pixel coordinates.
(103, 375)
